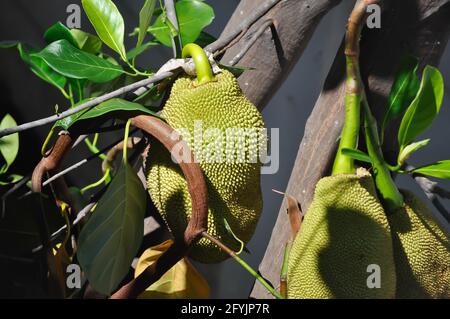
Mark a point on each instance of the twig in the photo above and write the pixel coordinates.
(171, 14)
(432, 191)
(244, 25)
(233, 255)
(16, 186)
(134, 86)
(251, 41)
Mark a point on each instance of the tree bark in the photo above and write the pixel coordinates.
(419, 27)
(276, 52)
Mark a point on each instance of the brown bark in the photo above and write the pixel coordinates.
(419, 27)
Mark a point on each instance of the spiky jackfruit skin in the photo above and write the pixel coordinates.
(234, 191)
(421, 251)
(344, 231)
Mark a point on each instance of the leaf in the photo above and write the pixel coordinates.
(357, 155)
(422, 111)
(113, 234)
(59, 31)
(72, 62)
(138, 50)
(193, 16)
(205, 39)
(236, 70)
(145, 16)
(78, 88)
(404, 90)
(181, 281)
(439, 169)
(11, 179)
(410, 150)
(8, 44)
(107, 22)
(9, 145)
(106, 110)
(39, 67)
(86, 41)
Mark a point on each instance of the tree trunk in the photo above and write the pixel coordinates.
(419, 27)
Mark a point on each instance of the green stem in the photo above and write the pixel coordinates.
(284, 269)
(125, 141)
(202, 66)
(246, 266)
(93, 148)
(102, 180)
(47, 140)
(390, 195)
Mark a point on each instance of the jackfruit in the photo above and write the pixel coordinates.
(226, 154)
(421, 251)
(344, 247)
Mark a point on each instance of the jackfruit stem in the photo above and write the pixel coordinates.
(202, 66)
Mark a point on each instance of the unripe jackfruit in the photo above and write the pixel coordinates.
(234, 191)
(344, 233)
(421, 252)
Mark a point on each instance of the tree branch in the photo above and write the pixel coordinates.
(404, 31)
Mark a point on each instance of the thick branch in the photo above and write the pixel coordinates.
(405, 30)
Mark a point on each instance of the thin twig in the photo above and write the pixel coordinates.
(79, 164)
(172, 17)
(432, 190)
(260, 11)
(254, 37)
(132, 87)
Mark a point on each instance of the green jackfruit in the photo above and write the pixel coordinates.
(233, 182)
(344, 232)
(421, 252)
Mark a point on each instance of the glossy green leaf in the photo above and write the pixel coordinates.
(111, 237)
(107, 22)
(78, 86)
(439, 169)
(410, 150)
(424, 108)
(86, 41)
(72, 62)
(9, 145)
(193, 16)
(105, 110)
(59, 31)
(37, 66)
(357, 155)
(145, 16)
(141, 49)
(404, 90)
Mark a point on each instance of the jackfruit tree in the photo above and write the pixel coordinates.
(182, 185)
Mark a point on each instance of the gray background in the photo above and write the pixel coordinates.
(27, 98)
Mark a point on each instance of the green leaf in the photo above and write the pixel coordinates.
(112, 236)
(193, 16)
(145, 16)
(86, 41)
(105, 111)
(11, 179)
(410, 150)
(8, 44)
(236, 70)
(72, 62)
(107, 22)
(357, 155)
(9, 145)
(37, 66)
(404, 90)
(439, 169)
(205, 39)
(59, 31)
(138, 50)
(78, 86)
(424, 108)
